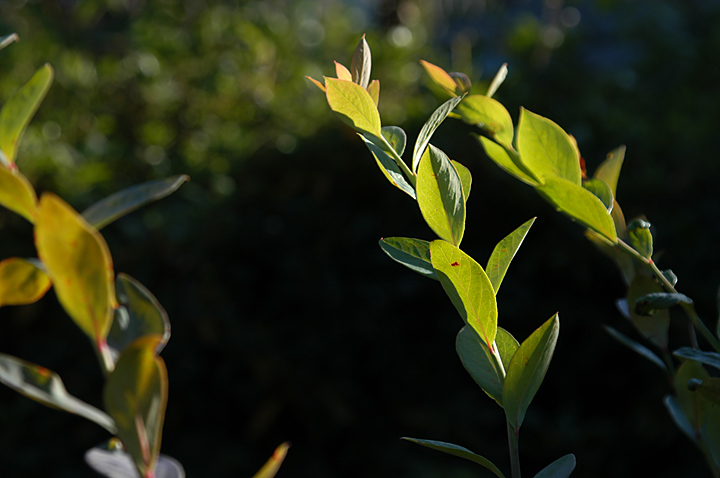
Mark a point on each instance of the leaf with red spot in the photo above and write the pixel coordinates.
(21, 282)
(504, 253)
(271, 467)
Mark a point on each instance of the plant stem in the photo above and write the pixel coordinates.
(412, 177)
(514, 451)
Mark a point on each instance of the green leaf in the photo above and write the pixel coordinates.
(600, 189)
(468, 287)
(580, 204)
(412, 253)
(22, 282)
(527, 370)
(654, 328)
(138, 314)
(489, 115)
(560, 468)
(693, 405)
(354, 105)
(678, 415)
(504, 253)
(77, 259)
(497, 80)
(272, 466)
(115, 463)
(429, 128)
(546, 149)
(389, 168)
(649, 303)
(440, 196)
(640, 237)
(465, 178)
(441, 78)
(17, 194)
(361, 64)
(46, 387)
(500, 156)
(8, 39)
(135, 397)
(396, 137)
(636, 347)
(710, 389)
(459, 451)
(609, 169)
(708, 358)
(17, 112)
(124, 202)
(480, 362)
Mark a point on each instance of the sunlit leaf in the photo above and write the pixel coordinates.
(389, 168)
(396, 137)
(602, 191)
(640, 237)
(429, 128)
(459, 451)
(124, 202)
(468, 287)
(441, 78)
(636, 347)
(8, 39)
(488, 115)
(527, 370)
(546, 149)
(46, 387)
(135, 397)
(21, 282)
(342, 72)
(654, 328)
(118, 464)
(504, 252)
(560, 468)
(580, 204)
(17, 112)
(609, 169)
(271, 467)
(354, 105)
(78, 261)
(412, 253)
(500, 156)
(440, 196)
(317, 83)
(361, 64)
(374, 90)
(17, 194)
(497, 80)
(708, 358)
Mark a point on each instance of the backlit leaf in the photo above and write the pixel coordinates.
(354, 105)
(640, 237)
(459, 451)
(560, 468)
(396, 137)
(389, 168)
(271, 467)
(21, 282)
(500, 156)
(429, 128)
(504, 253)
(468, 287)
(441, 78)
(17, 194)
(609, 169)
(374, 91)
(342, 72)
(46, 387)
(361, 64)
(497, 80)
(527, 370)
(412, 253)
(603, 192)
(488, 115)
(465, 178)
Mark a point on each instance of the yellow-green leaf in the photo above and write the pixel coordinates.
(21, 282)
(342, 72)
(609, 169)
(489, 115)
(17, 194)
(271, 467)
(78, 261)
(441, 78)
(354, 105)
(510, 164)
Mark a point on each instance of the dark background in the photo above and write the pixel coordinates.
(289, 323)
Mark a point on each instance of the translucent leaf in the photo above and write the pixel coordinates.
(396, 137)
(560, 468)
(361, 64)
(46, 387)
(342, 72)
(708, 358)
(527, 370)
(78, 261)
(441, 78)
(480, 362)
(389, 168)
(17, 194)
(21, 282)
(135, 397)
(317, 83)
(497, 80)
(654, 328)
(272, 466)
(488, 115)
(124, 202)
(429, 128)
(500, 156)
(602, 191)
(440, 196)
(546, 149)
(580, 204)
(465, 178)
(118, 464)
(412, 253)
(459, 451)
(374, 90)
(636, 347)
(504, 252)
(609, 169)
(354, 105)
(8, 39)
(640, 237)
(17, 112)
(138, 314)
(468, 287)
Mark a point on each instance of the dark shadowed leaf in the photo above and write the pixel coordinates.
(8, 39)
(648, 304)
(560, 468)
(636, 347)
(272, 466)
(708, 358)
(118, 464)
(678, 415)
(655, 327)
(457, 450)
(412, 253)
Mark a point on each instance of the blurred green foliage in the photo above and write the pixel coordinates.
(267, 260)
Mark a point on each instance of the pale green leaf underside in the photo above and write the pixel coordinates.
(504, 253)
(609, 169)
(459, 451)
(430, 126)
(412, 253)
(560, 468)
(489, 115)
(389, 168)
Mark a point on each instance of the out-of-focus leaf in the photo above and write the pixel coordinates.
(580, 204)
(317, 83)
(678, 415)
(8, 39)
(708, 358)
(710, 389)
(602, 191)
(465, 178)
(459, 451)
(500, 156)
(636, 347)
(609, 169)
(78, 261)
(527, 370)
(670, 276)
(342, 72)
(412, 253)
(17, 112)
(468, 287)
(21, 282)
(138, 314)
(560, 468)
(429, 128)
(361, 64)
(640, 237)
(480, 362)
(135, 397)
(124, 202)
(654, 328)
(546, 149)
(488, 115)
(389, 168)
(46, 387)
(440, 196)
(118, 464)
(271, 467)
(374, 90)
(693, 405)
(17, 194)
(497, 80)
(354, 105)
(649, 303)
(462, 81)
(441, 78)
(504, 253)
